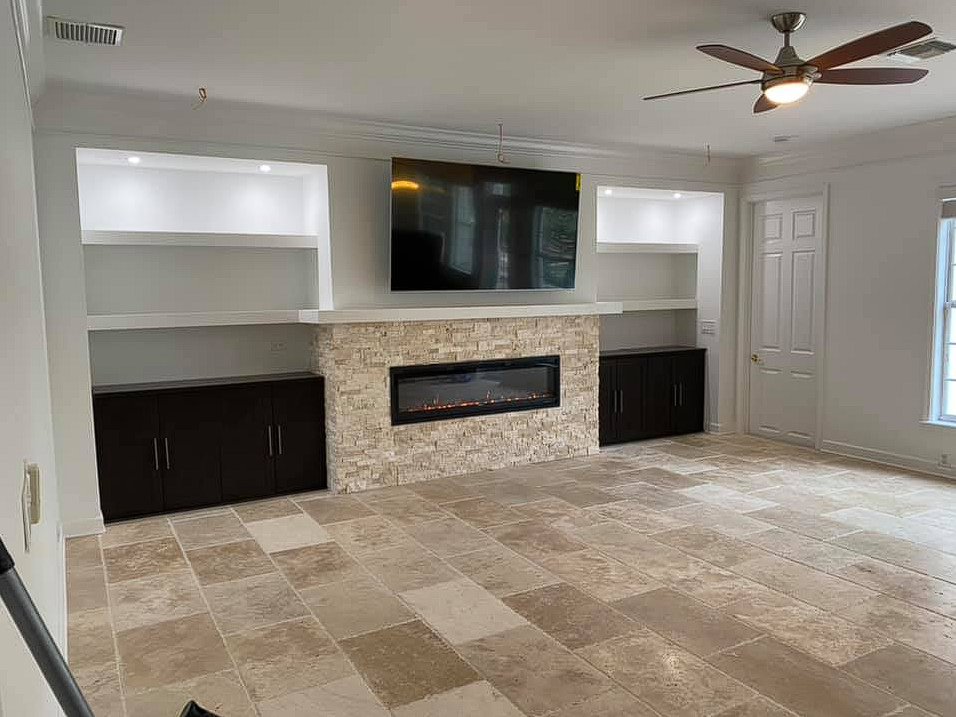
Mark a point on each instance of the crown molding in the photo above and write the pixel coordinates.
(898, 143)
(94, 111)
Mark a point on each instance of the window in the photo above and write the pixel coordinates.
(943, 403)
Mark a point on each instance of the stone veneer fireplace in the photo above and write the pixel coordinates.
(366, 449)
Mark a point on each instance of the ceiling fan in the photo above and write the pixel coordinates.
(788, 78)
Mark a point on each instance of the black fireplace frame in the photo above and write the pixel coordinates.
(395, 373)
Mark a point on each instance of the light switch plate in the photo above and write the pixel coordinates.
(25, 502)
(33, 478)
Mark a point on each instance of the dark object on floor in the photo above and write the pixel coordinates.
(194, 710)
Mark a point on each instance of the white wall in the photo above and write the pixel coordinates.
(883, 214)
(26, 431)
(358, 158)
(648, 328)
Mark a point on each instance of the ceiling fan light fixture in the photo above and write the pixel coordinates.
(785, 91)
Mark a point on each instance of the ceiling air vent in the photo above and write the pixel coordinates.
(89, 33)
(923, 50)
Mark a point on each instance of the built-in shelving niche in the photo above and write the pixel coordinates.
(650, 242)
(175, 242)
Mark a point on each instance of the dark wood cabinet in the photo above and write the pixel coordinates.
(128, 455)
(649, 393)
(190, 444)
(299, 416)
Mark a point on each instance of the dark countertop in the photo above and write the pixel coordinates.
(643, 350)
(199, 382)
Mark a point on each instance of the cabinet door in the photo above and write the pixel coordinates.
(248, 442)
(298, 409)
(607, 401)
(660, 395)
(630, 401)
(191, 429)
(128, 455)
(689, 377)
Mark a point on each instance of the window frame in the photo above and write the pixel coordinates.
(943, 331)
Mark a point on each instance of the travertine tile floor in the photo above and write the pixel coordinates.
(690, 577)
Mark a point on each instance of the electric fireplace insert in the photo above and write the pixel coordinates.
(455, 390)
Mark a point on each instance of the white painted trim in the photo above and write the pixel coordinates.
(214, 239)
(442, 313)
(896, 460)
(745, 298)
(172, 320)
(623, 247)
(79, 528)
(658, 304)
(719, 429)
(20, 30)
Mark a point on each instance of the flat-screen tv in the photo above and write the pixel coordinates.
(472, 227)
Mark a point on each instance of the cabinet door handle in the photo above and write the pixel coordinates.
(279, 428)
(270, 440)
(156, 452)
(166, 444)
(621, 404)
(675, 393)
(681, 399)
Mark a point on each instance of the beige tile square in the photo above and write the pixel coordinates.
(449, 537)
(914, 626)
(222, 693)
(460, 610)
(613, 703)
(533, 671)
(292, 531)
(355, 606)
(569, 616)
(914, 676)
(709, 545)
(138, 560)
(155, 598)
(600, 576)
(502, 572)
(210, 530)
(253, 602)
(443, 490)
(653, 497)
(345, 697)
(429, 666)
(135, 531)
(799, 581)
(479, 699)
(167, 652)
(83, 553)
(728, 498)
(85, 589)
(265, 509)
(335, 509)
(483, 512)
(368, 535)
(317, 565)
(100, 685)
(583, 496)
(560, 515)
(220, 563)
(668, 678)
(814, 526)
(407, 568)
(409, 510)
(535, 539)
(90, 638)
(286, 658)
(637, 516)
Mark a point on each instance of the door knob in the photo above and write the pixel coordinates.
(754, 358)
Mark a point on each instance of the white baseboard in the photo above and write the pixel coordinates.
(719, 429)
(79, 528)
(897, 460)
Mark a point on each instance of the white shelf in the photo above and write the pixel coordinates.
(617, 247)
(657, 304)
(120, 322)
(429, 313)
(268, 241)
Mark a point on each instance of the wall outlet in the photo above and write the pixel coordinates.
(708, 326)
(279, 346)
(945, 461)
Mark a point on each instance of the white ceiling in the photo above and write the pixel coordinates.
(561, 69)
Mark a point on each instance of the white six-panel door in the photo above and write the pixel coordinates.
(786, 314)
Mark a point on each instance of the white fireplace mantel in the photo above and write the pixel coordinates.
(443, 313)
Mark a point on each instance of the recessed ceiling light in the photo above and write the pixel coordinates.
(608, 192)
(133, 160)
(677, 195)
(265, 168)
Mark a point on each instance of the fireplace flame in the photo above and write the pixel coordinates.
(437, 405)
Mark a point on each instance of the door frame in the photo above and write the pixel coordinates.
(748, 202)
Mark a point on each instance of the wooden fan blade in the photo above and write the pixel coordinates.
(703, 89)
(740, 58)
(872, 76)
(874, 44)
(763, 105)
